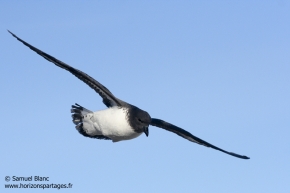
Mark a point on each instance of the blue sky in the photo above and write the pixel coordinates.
(220, 70)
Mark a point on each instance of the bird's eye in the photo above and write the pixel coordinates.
(140, 120)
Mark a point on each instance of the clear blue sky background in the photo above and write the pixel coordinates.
(220, 70)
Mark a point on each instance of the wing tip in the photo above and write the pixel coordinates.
(238, 156)
(11, 33)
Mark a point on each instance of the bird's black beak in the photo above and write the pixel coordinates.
(146, 131)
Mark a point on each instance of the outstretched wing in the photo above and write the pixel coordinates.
(108, 98)
(185, 134)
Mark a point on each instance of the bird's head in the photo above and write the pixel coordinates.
(142, 120)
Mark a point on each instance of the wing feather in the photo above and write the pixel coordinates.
(185, 134)
(108, 98)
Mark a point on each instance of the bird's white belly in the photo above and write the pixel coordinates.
(112, 123)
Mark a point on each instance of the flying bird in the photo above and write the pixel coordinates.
(121, 120)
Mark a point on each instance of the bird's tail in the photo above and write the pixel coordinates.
(81, 118)
(78, 113)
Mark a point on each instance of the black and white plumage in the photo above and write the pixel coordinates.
(121, 120)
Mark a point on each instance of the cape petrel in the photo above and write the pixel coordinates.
(121, 120)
